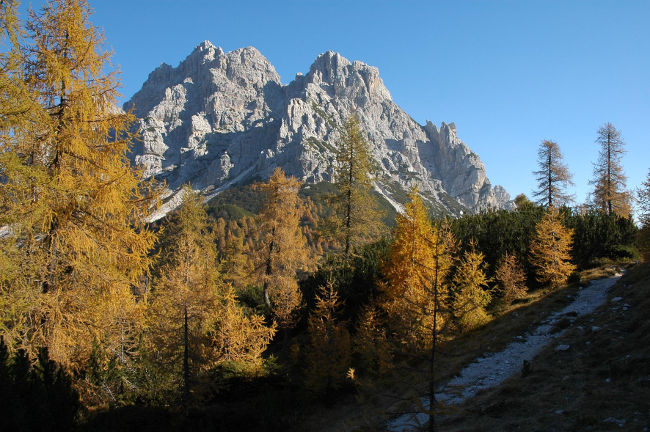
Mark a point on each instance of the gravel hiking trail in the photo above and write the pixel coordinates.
(492, 369)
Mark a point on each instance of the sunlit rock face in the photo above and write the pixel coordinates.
(219, 119)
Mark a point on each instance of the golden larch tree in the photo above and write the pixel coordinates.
(370, 344)
(356, 213)
(283, 252)
(610, 194)
(328, 353)
(550, 250)
(74, 204)
(470, 296)
(235, 254)
(419, 256)
(510, 277)
(553, 176)
(21, 257)
(194, 320)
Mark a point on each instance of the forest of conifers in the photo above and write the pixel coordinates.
(230, 314)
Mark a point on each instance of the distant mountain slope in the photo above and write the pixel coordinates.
(220, 119)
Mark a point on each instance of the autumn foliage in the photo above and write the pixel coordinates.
(282, 254)
(419, 255)
(550, 250)
(511, 278)
(355, 214)
(69, 196)
(328, 354)
(194, 320)
(103, 308)
(470, 295)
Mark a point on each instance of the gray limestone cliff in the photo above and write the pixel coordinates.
(220, 119)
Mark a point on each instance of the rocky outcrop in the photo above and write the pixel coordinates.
(223, 118)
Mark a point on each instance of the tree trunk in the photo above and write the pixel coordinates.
(186, 360)
(609, 174)
(434, 337)
(348, 217)
(269, 270)
(550, 179)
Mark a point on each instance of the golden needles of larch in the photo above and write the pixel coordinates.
(419, 253)
(552, 177)
(356, 212)
(70, 199)
(550, 250)
(610, 194)
(283, 252)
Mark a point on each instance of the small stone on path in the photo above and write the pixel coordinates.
(619, 422)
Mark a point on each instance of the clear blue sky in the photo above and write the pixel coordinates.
(508, 73)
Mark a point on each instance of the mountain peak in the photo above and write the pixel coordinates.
(204, 52)
(330, 63)
(223, 118)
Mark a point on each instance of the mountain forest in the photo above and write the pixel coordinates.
(276, 305)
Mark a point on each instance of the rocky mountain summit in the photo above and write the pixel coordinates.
(220, 119)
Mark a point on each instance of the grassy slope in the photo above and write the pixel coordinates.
(602, 381)
(530, 403)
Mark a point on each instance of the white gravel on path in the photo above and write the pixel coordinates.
(492, 369)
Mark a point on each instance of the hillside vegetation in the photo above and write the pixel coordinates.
(277, 306)
(601, 383)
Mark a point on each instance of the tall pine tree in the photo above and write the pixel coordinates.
(643, 196)
(643, 239)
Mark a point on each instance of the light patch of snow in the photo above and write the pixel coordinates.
(171, 204)
(494, 368)
(177, 197)
(397, 206)
(229, 183)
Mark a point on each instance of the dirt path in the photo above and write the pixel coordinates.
(494, 368)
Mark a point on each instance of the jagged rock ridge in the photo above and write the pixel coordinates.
(220, 118)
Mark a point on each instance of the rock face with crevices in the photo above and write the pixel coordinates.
(219, 119)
